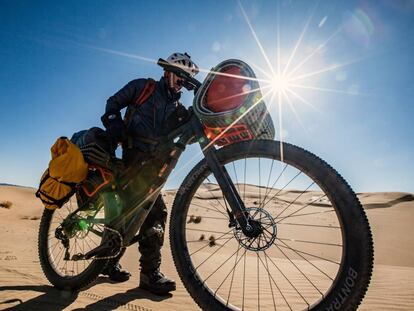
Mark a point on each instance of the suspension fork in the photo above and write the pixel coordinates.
(230, 192)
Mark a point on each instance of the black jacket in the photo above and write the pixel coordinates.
(149, 119)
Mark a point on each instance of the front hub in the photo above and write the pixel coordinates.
(260, 232)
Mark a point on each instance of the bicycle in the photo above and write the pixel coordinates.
(258, 224)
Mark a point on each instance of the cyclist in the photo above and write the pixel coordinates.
(143, 124)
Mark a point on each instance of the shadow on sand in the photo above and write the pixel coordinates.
(53, 299)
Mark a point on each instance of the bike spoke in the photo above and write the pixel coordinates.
(290, 204)
(268, 181)
(53, 245)
(309, 225)
(232, 277)
(258, 282)
(75, 252)
(308, 261)
(260, 191)
(203, 241)
(270, 283)
(274, 184)
(291, 284)
(96, 232)
(205, 230)
(274, 282)
(301, 272)
(310, 242)
(220, 237)
(209, 209)
(265, 203)
(244, 279)
(228, 274)
(93, 241)
(62, 251)
(222, 264)
(313, 213)
(306, 253)
(89, 246)
(83, 252)
(287, 257)
(303, 207)
(213, 253)
(60, 215)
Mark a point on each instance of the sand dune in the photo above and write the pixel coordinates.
(23, 286)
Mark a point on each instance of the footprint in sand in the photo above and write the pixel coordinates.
(30, 217)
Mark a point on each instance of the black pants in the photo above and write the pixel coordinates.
(151, 237)
(151, 233)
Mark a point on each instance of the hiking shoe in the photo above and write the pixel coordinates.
(116, 273)
(156, 283)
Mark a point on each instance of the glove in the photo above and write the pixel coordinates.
(114, 127)
(178, 117)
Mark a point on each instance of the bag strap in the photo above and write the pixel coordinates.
(53, 201)
(47, 175)
(146, 93)
(149, 88)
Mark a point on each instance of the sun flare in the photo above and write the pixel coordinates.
(279, 83)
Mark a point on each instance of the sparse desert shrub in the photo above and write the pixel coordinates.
(194, 219)
(6, 204)
(212, 241)
(191, 219)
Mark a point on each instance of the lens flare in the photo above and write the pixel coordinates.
(280, 83)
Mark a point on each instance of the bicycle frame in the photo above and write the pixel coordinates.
(175, 143)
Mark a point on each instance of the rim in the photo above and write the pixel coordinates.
(292, 265)
(80, 240)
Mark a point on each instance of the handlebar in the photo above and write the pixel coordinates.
(187, 81)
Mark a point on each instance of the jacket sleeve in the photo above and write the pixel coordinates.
(124, 96)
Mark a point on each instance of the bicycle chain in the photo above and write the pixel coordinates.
(106, 257)
(120, 249)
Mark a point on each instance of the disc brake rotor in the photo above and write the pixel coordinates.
(266, 238)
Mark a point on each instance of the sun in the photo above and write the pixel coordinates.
(279, 83)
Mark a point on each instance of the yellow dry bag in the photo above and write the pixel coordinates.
(66, 169)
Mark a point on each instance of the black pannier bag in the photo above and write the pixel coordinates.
(95, 146)
(96, 149)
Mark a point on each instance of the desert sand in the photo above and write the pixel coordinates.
(24, 287)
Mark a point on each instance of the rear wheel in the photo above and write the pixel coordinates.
(59, 244)
(313, 249)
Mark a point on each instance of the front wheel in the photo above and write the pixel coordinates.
(313, 251)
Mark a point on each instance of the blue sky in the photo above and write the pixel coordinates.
(60, 61)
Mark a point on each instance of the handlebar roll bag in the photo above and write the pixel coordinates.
(229, 104)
